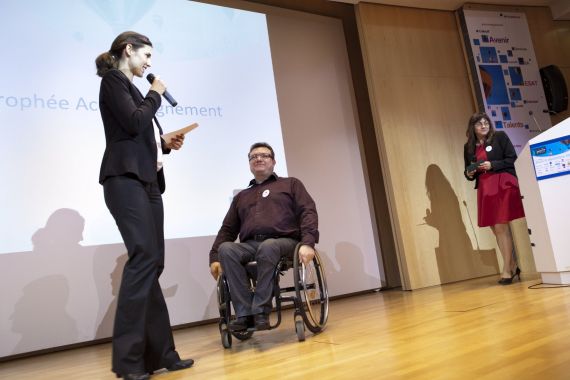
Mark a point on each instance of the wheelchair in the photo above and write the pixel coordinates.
(308, 296)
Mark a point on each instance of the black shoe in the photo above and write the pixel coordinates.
(506, 281)
(516, 274)
(241, 323)
(181, 364)
(135, 376)
(261, 321)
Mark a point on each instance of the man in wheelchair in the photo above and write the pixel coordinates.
(270, 217)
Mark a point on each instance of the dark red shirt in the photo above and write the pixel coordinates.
(278, 207)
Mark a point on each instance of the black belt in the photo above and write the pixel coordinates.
(264, 237)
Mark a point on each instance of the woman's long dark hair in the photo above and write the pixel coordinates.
(110, 59)
(472, 137)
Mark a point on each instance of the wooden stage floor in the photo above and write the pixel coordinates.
(473, 329)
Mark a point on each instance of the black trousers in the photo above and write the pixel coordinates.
(234, 257)
(142, 336)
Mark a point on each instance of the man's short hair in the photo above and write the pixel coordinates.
(262, 145)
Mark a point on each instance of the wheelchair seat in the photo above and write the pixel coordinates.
(308, 296)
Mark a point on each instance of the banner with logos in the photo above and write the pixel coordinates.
(551, 158)
(505, 73)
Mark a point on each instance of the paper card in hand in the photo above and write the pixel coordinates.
(182, 131)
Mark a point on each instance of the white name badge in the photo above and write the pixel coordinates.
(265, 193)
(489, 148)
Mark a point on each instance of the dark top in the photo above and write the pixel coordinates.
(278, 207)
(502, 156)
(129, 133)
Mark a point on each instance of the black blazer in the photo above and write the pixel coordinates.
(129, 134)
(502, 156)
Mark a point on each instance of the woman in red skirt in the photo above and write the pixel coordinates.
(489, 161)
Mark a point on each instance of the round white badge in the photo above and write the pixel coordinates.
(489, 148)
(265, 193)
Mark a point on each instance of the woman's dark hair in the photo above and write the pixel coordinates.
(262, 145)
(472, 137)
(110, 59)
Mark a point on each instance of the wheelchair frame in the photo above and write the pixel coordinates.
(310, 298)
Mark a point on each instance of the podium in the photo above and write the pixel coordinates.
(543, 170)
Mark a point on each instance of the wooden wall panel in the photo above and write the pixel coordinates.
(421, 100)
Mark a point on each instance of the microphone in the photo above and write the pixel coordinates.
(536, 122)
(150, 77)
(472, 227)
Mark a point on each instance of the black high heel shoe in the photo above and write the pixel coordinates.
(505, 280)
(516, 274)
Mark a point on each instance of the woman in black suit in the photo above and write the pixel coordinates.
(133, 181)
(489, 160)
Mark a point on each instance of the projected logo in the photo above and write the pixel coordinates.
(121, 15)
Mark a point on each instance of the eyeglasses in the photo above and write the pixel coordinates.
(263, 156)
(482, 123)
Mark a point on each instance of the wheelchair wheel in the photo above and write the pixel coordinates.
(225, 309)
(300, 330)
(226, 336)
(311, 291)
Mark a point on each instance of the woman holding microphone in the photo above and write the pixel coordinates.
(133, 181)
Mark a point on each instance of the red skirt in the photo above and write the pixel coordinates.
(498, 199)
(498, 196)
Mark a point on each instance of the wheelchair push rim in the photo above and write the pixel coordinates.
(311, 292)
